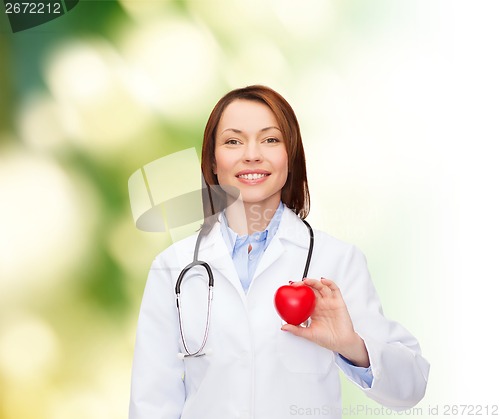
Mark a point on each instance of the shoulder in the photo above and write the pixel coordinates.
(295, 229)
(181, 252)
(177, 252)
(326, 240)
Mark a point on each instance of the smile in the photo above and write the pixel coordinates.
(252, 176)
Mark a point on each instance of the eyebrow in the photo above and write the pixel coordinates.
(238, 131)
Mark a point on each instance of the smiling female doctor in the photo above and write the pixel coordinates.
(253, 366)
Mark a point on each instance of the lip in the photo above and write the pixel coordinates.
(252, 181)
(250, 171)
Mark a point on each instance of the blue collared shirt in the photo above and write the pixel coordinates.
(246, 263)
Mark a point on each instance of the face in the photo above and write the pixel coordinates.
(250, 153)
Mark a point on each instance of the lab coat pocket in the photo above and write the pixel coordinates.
(300, 355)
(195, 373)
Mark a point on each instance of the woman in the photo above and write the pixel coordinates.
(254, 166)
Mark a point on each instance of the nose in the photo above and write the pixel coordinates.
(252, 152)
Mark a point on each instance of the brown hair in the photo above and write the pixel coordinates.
(295, 192)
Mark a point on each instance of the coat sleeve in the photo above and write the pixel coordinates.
(399, 371)
(157, 388)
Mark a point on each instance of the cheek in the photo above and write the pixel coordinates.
(283, 163)
(221, 163)
(216, 164)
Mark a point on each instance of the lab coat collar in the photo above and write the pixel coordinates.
(290, 231)
(213, 249)
(293, 230)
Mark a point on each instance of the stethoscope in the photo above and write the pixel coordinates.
(205, 265)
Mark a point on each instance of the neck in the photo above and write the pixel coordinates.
(247, 218)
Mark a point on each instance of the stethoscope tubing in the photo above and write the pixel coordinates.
(205, 265)
(311, 247)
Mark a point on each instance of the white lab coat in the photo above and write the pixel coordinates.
(253, 369)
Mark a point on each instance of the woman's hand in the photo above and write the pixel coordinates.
(331, 325)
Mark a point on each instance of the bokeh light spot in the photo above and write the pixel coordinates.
(29, 349)
(45, 220)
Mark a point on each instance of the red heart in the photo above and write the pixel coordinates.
(294, 304)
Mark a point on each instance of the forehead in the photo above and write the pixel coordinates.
(246, 115)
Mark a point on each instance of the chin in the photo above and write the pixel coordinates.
(257, 199)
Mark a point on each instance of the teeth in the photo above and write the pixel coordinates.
(252, 176)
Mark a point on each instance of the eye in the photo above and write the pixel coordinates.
(272, 140)
(231, 141)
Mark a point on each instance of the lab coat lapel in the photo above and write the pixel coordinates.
(270, 256)
(291, 231)
(214, 250)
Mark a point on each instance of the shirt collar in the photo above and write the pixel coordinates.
(234, 241)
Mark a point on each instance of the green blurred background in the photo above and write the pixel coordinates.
(398, 103)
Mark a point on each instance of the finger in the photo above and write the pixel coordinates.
(333, 287)
(296, 283)
(330, 284)
(311, 283)
(323, 289)
(295, 330)
(306, 282)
